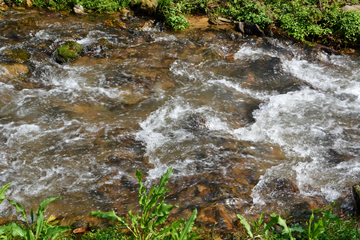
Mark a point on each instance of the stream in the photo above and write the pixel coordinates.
(249, 124)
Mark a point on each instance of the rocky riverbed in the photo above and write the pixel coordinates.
(249, 123)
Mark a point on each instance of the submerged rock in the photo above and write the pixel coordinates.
(114, 23)
(68, 52)
(219, 215)
(195, 122)
(10, 72)
(17, 55)
(3, 6)
(30, 21)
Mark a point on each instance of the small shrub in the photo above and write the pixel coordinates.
(154, 212)
(39, 229)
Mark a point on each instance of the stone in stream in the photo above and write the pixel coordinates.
(3, 6)
(68, 52)
(219, 215)
(251, 28)
(11, 72)
(17, 55)
(268, 30)
(30, 21)
(195, 122)
(240, 26)
(114, 23)
(336, 157)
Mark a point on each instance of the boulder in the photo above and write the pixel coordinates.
(351, 8)
(114, 23)
(78, 9)
(240, 26)
(17, 55)
(29, 21)
(147, 6)
(68, 52)
(3, 6)
(251, 28)
(28, 3)
(356, 193)
(268, 30)
(10, 72)
(219, 215)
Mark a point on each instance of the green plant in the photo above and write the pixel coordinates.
(41, 229)
(104, 234)
(275, 219)
(153, 213)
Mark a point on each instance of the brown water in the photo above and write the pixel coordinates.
(258, 124)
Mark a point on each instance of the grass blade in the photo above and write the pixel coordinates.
(19, 209)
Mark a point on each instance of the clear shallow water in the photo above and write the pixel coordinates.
(242, 117)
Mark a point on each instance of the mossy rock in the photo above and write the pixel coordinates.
(104, 43)
(17, 55)
(68, 52)
(114, 23)
(30, 21)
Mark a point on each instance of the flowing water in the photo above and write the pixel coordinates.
(260, 124)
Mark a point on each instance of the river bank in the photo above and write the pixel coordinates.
(333, 24)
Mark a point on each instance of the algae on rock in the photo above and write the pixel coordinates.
(17, 55)
(68, 52)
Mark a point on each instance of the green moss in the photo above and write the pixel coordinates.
(18, 55)
(68, 52)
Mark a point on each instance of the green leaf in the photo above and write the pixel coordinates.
(318, 229)
(270, 224)
(245, 224)
(107, 215)
(3, 190)
(19, 208)
(30, 234)
(32, 216)
(18, 231)
(283, 224)
(44, 204)
(298, 229)
(188, 225)
(54, 232)
(39, 224)
(5, 229)
(163, 213)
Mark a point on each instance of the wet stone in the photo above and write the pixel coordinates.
(68, 52)
(219, 215)
(195, 122)
(30, 21)
(114, 23)
(336, 157)
(17, 55)
(11, 72)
